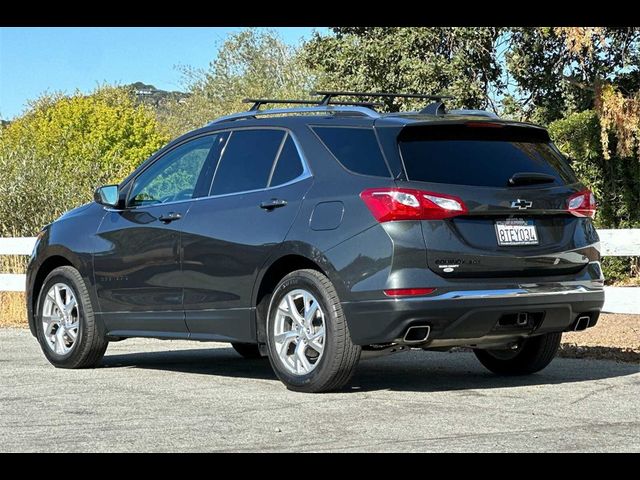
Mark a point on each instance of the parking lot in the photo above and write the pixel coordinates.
(156, 395)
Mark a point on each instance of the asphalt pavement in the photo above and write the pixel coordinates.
(153, 395)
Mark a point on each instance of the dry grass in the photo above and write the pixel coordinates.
(13, 312)
(13, 263)
(615, 337)
(12, 308)
(628, 282)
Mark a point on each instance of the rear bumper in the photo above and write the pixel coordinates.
(468, 317)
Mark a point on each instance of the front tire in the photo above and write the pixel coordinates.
(66, 327)
(531, 356)
(309, 344)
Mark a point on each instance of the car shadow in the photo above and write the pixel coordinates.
(414, 371)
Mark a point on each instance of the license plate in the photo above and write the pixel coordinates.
(516, 232)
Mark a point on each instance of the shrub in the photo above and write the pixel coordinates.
(614, 181)
(63, 147)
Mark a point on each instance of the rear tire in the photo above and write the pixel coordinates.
(310, 350)
(531, 356)
(66, 327)
(247, 350)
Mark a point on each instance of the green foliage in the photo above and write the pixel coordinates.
(620, 269)
(252, 63)
(53, 157)
(453, 60)
(554, 80)
(615, 182)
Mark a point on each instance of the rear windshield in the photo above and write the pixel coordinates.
(480, 156)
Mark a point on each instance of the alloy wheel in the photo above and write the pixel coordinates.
(299, 332)
(60, 318)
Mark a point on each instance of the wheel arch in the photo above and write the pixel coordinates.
(271, 275)
(46, 267)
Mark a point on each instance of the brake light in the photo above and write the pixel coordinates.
(484, 125)
(408, 292)
(391, 204)
(582, 204)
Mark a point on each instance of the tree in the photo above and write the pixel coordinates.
(251, 63)
(559, 71)
(53, 157)
(614, 181)
(458, 61)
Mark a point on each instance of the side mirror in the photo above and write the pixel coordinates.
(107, 195)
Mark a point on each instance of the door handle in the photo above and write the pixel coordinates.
(170, 217)
(273, 203)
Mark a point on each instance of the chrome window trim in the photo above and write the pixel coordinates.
(306, 170)
(131, 183)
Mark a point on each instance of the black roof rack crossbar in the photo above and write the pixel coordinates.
(258, 102)
(327, 96)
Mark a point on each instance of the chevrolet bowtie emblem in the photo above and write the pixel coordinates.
(521, 204)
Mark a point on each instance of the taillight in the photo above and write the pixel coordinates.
(582, 204)
(390, 204)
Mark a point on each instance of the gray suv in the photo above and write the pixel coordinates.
(318, 234)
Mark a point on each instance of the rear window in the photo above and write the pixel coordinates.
(355, 148)
(480, 156)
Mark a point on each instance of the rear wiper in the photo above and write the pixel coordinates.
(530, 178)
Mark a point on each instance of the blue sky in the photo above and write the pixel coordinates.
(35, 60)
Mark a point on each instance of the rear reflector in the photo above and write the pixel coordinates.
(582, 204)
(408, 292)
(391, 204)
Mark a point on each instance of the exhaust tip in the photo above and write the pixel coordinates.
(416, 334)
(582, 323)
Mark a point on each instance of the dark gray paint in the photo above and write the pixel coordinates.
(199, 277)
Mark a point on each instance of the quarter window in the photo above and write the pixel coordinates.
(355, 148)
(289, 164)
(247, 161)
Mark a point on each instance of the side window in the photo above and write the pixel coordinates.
(174, 176)
(247, 161)
(355, 148)
(289, 164)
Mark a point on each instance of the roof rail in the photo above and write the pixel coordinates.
(344, 110)
(258, 102)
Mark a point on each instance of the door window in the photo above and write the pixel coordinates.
(247, 161)
(174, 176)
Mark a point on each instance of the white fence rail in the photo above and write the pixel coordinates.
(12, 282)
(620, 242)
(17, 245)
(617, 243)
